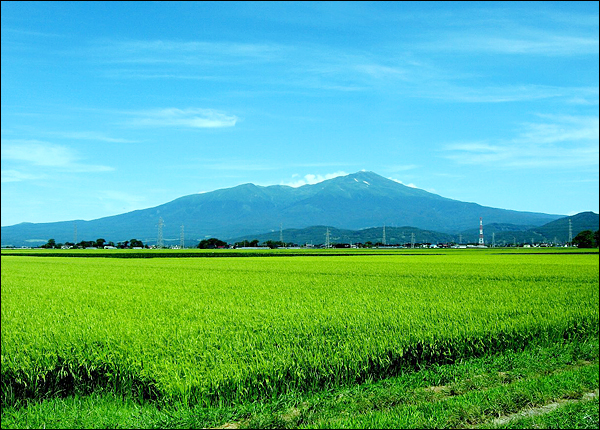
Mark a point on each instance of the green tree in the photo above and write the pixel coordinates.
(86, 244)
(100, 243)
(135, 243)
(50, 244)
(274, 244)
(211, 243)
(597, 238)
(584, 239)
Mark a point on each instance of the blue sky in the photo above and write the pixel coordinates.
(116, 106)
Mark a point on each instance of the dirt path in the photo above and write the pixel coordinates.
(542, 409)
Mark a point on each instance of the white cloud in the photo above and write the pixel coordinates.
(311, 179)
(558, 142)
(45, 154)
(37, 152)
(561, 128)
(181, 52)
(192, 117)
(530, 44)
(411, 185)
(378, 71)
(90, 135)
(16, 176)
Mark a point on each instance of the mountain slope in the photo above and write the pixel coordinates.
(356, 201)
(555, 232)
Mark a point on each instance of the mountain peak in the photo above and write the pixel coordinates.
(366, 175)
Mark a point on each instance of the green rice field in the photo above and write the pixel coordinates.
(185, 333)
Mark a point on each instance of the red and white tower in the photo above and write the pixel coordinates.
(481, 231)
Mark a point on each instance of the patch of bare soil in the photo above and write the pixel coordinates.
(542, 409)
(228, 426)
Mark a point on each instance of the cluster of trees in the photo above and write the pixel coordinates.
(587, 239)
(98, 243)
(214, 243)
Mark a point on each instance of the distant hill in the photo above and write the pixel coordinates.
(503, 234)
(556, 232)
(559, 229)
(316, 235)
(353, 202)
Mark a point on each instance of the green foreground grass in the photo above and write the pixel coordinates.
(472, 393)
(424, 340)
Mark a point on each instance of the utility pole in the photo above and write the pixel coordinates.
(159, 239)
(481, 231)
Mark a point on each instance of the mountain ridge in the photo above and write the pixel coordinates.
(355, 201)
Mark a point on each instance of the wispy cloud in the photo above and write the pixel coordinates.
(452, 92)
(21, 32)
(192, 118)
(380, 71)
(303, 67)
(89, 135)
(153, 52)
(17, 176)
(559, 142)
(42, 154)
(37, 152)
(531, 43)
(561, 128)
(503, 30)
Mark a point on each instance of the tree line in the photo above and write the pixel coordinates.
(98, 243)
(584, 239)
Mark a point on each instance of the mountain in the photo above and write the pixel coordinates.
(552, 232)
(356, 201)
(316, 235)
(555, 232)
(559, 229)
